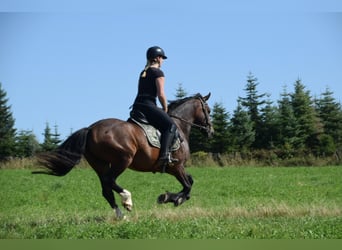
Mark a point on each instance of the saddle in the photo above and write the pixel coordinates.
(152, 134)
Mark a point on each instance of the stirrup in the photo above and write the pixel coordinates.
(167, 161)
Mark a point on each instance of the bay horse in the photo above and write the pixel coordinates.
(112, 145)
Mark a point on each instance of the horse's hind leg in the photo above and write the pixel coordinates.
(126, 197)
(106, 183)
(105, 174)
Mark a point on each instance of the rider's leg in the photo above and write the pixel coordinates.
(167, 138)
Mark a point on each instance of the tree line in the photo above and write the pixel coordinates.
(21, 143)
(296, 125)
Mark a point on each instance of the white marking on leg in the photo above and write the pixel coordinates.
(126, 199)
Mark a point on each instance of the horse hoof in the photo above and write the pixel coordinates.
(162, 198)
(119, 214)
(178, 202)
(128, 208)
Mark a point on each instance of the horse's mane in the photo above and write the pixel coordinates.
(176, 103)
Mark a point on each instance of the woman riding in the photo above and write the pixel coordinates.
(151, 86)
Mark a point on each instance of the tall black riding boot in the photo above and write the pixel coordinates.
(167, 138)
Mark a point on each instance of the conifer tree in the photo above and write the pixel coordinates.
(51, 141)
(330, 114)
(7, 130)
(198, 141)
(220, 141)
(308, 123)
(253, 103)
(56, 137)
(269, 130)
(287, 125)
(26, 144)
(242, 131)
(180, 91)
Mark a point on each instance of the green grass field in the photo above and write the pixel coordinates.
(226, 203)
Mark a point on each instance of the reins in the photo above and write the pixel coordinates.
(187, 122)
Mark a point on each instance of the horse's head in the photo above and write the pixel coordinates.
(202, 114)
(193, 111)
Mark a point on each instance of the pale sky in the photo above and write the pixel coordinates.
(71, 64)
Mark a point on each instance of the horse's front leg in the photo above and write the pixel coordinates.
(178, 198)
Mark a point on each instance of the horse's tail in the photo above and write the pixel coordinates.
(60, 161)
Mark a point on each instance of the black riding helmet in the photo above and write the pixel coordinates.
(154, 52)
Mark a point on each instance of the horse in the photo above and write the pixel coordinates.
(112, 145)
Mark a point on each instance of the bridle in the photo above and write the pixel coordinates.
(206, 115)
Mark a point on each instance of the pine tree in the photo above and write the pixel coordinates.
(56, 136)
(269, 130)
(26, 144)
(220, 141)
(308, 123)
(253, 102)
(180, 91)
(198, 141)
(330, 114)
(51, 141)
(287, 125)
(242, 131)
(7, 130)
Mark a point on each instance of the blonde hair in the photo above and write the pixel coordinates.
(149, 63)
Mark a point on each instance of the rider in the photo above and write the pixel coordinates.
(151, 86)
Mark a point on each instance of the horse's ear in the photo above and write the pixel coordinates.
(205, 98)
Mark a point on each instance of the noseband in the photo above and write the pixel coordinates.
(206, 127)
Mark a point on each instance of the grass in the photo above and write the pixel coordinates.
(226, 203)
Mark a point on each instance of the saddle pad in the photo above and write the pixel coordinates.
(153, 135)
